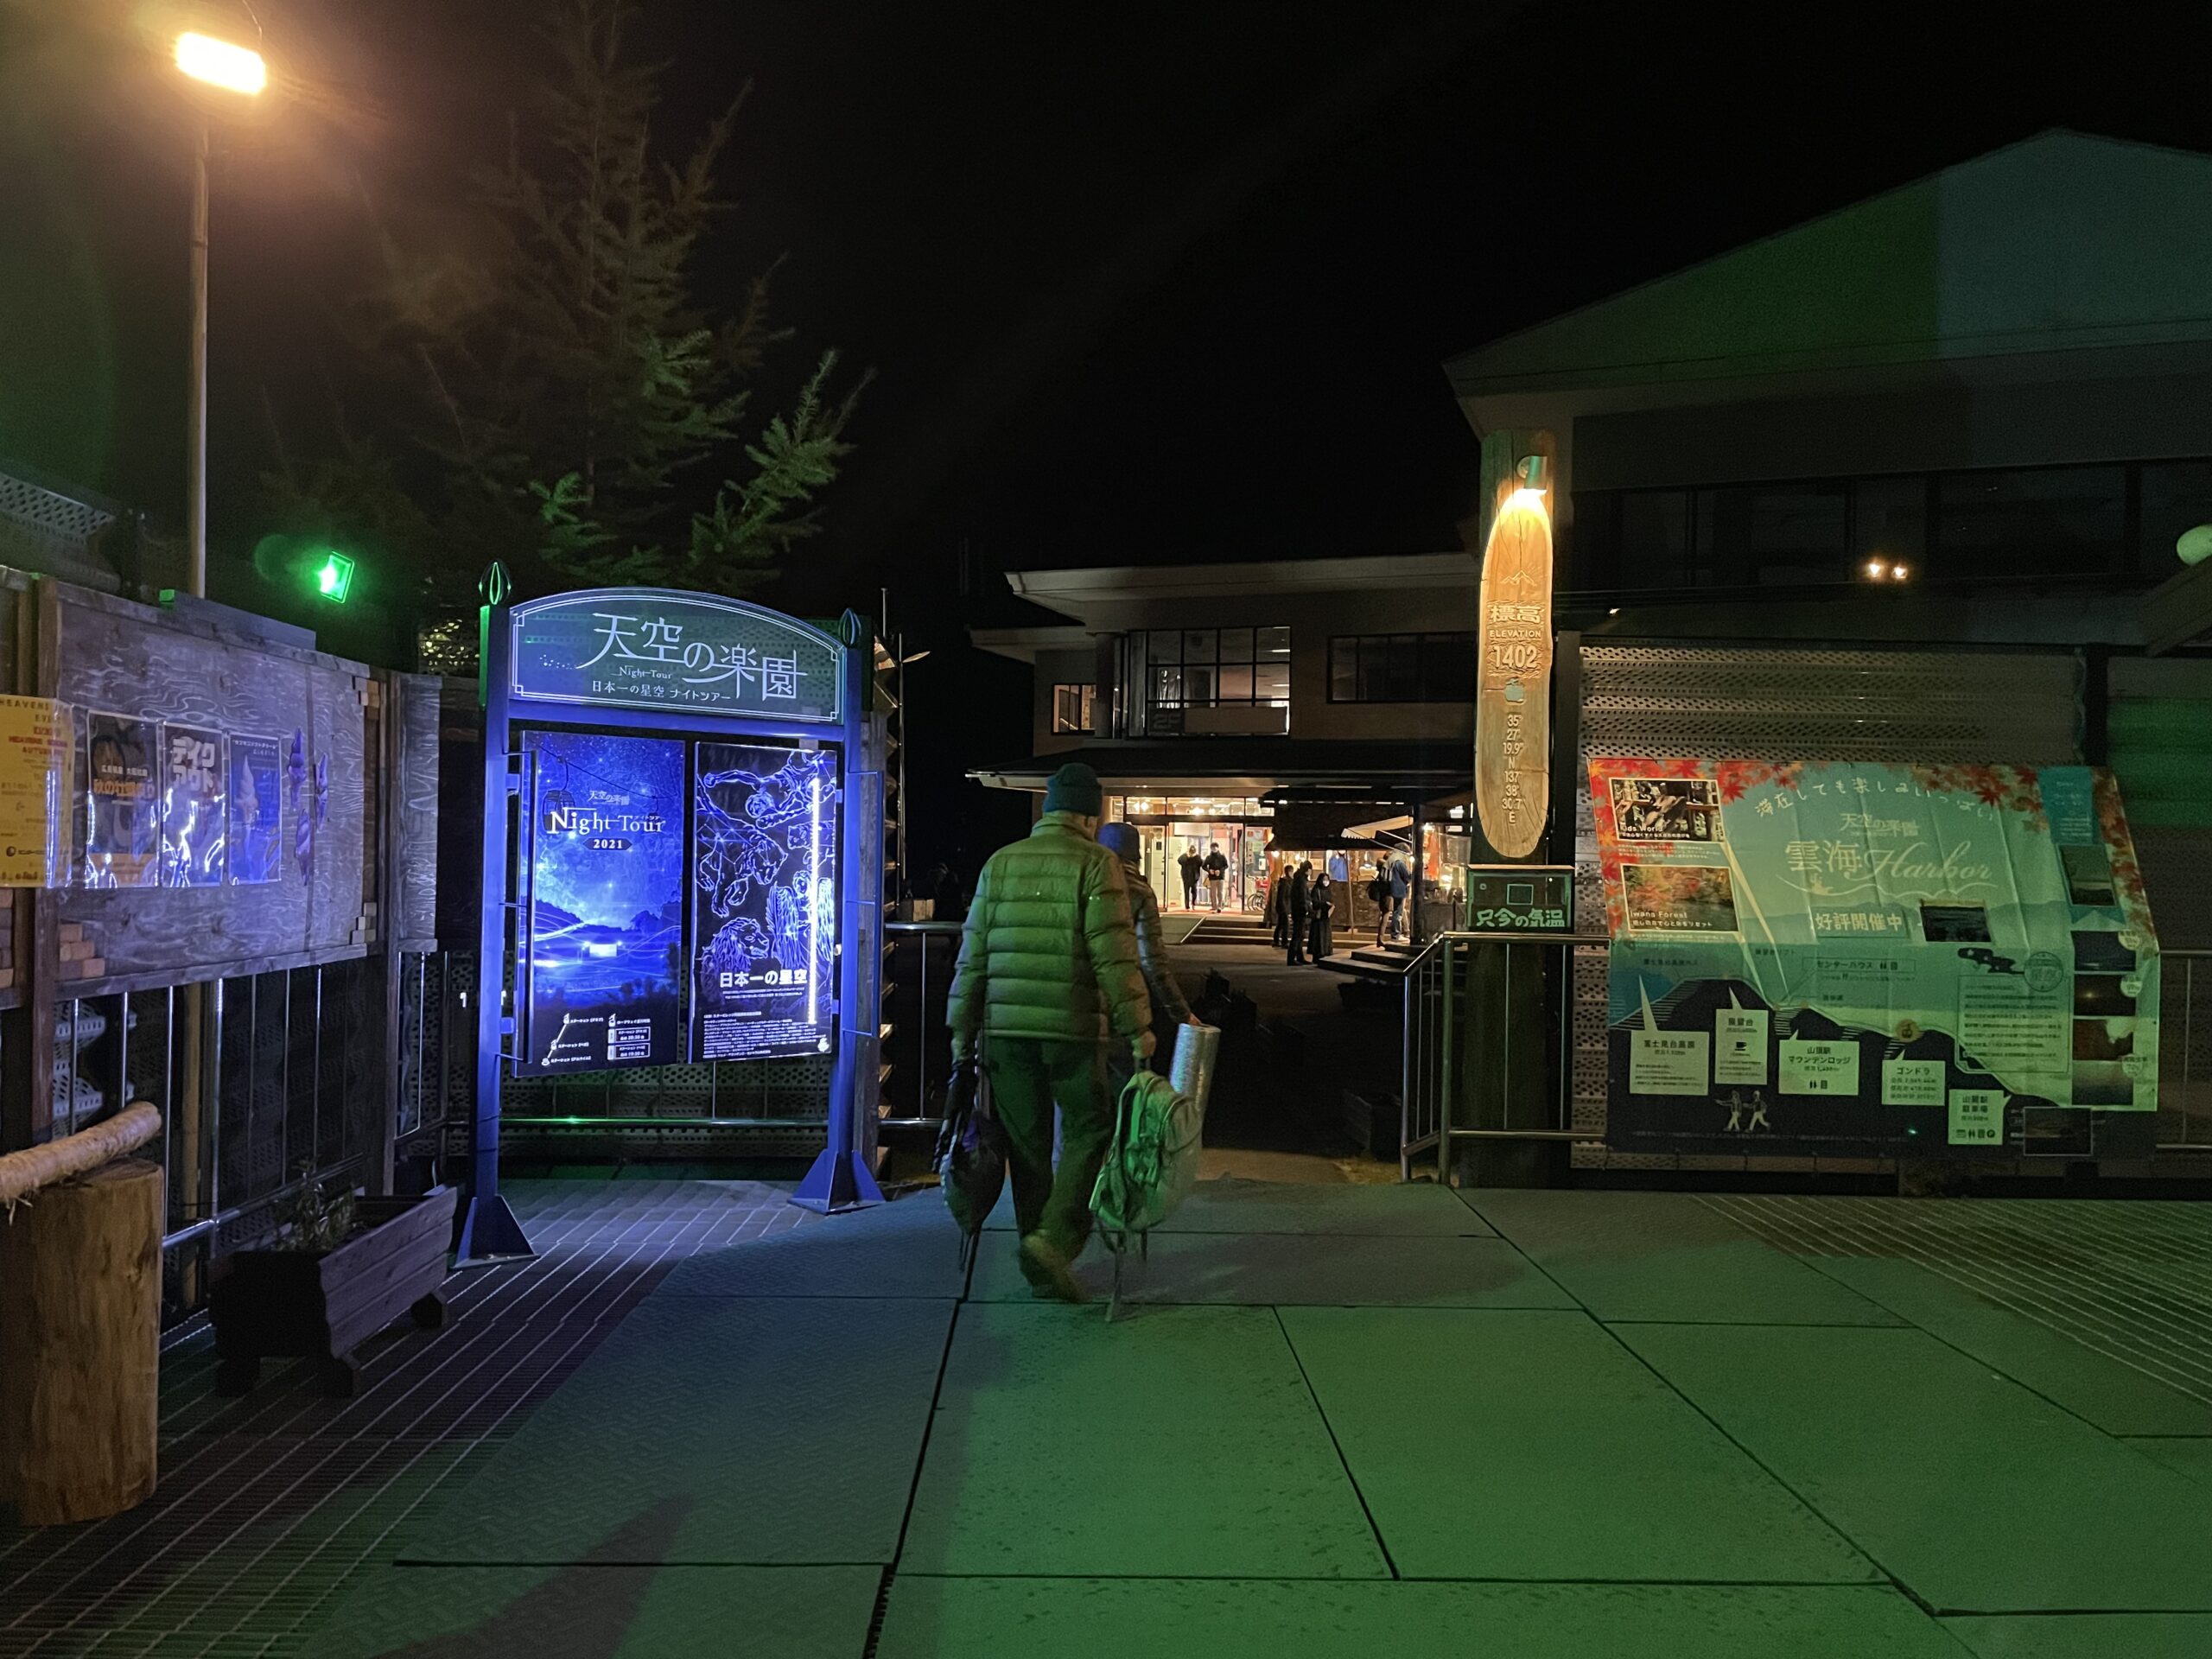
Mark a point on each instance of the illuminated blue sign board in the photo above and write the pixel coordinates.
(603, 968)
(764, 873)
(692, 653)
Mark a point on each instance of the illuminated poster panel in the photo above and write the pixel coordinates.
(194, 781)
(122, 804)
(763, 901)
(604, 936)
(1821, 956)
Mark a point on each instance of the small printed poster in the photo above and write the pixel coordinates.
(1977, 1117)
(1808, 1067)
(1668, 1062)
(1912, 1083)
(1680, 898)
(1739, 1044)
(37, 747)
(123, 808)
(193, 787)
(1666, 809)
(253, 813)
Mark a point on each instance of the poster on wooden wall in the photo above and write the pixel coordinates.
(193, 787)
(253, 813)
(37, 755)
(123, 808)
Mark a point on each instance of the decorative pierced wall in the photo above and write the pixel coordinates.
(1746, 702)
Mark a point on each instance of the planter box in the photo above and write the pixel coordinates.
(323, 1304)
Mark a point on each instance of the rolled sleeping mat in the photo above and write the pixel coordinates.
(1197, 1054)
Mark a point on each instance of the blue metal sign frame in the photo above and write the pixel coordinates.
(839, 1177)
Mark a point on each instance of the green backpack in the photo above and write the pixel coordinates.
(1150, 1166)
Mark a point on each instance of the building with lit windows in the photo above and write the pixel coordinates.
(1315, 708)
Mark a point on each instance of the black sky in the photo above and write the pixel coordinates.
(1139, 283)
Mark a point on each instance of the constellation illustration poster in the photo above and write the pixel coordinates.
(604, 951)
(764, 901)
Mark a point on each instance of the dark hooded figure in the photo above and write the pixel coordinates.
(1294, 901)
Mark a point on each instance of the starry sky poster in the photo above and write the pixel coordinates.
(764, 908)
(605, 950)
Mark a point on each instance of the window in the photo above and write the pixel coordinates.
(2055, 521)
(1215, 669)
(1402, 668)
(1073, 705)
(1771, 535)
(1961, 527)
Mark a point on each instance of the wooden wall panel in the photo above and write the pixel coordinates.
(415, 906)
(117, 657)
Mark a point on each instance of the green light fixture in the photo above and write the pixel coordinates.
(334, 577)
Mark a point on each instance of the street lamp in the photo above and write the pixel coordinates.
(238, 71)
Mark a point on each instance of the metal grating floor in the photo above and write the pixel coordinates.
(267, 1504)
(2130, 1279)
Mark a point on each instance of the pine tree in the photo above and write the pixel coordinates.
(564, 391)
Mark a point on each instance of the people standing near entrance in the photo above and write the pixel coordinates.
(1192, 866)
(1294, 902)
(1320, 904)
(1402, 886)
(1169, 1008)
(1047, 984)
(1378, 894)
(1278, 916)
(1216, 876)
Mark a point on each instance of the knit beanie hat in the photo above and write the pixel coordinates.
(1074, 788)
(1120, 839)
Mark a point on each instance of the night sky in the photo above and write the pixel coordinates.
(1139, 284)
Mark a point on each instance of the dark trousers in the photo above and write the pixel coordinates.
(1297, 937)
(1028, 1078)
(1189, 892)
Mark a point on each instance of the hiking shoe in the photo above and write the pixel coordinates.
(1049, 1273)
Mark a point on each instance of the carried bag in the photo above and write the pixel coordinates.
(1152, 1162)
(971, 1154)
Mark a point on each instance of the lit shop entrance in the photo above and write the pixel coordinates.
(1171, 826)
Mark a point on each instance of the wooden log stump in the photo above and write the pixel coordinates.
(81, 1287)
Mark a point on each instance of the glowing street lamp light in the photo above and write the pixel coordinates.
(221, 63)
(241, 71)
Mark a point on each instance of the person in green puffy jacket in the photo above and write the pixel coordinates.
(1048, 981)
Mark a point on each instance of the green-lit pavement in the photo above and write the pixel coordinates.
(625, 1612)
(1185, 1442)
(1663, 1256)
(1569, 1459)
(1348, 1421)
(1979, 1495)
(1108, 1620)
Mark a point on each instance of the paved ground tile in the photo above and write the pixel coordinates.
(910, 1247)
(1075, 1619)
(2090, 1636)
(1328, 1270)
(1663, 1256)
(1532, 1445)
(2116, 1397)
(1977, 1494)
(750, 1431)
(1177, 1441)
(2192, 1457)
(1231, 1205)
(604, 1613)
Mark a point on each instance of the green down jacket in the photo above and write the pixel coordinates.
(1050, 950)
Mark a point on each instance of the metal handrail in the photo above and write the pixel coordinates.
(1419, 1055)
(924, 931)
(2189, 958)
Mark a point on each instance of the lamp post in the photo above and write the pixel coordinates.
(240, 72)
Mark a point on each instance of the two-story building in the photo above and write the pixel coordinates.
(1317, 708)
